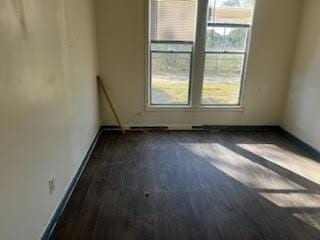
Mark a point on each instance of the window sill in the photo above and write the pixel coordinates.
(194, 109)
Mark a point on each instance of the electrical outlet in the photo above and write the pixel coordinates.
(51, 185)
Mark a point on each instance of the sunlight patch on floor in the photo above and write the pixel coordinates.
(304, 166)
(251, 174)
(311, 219)
(296, 200)
(264, 180)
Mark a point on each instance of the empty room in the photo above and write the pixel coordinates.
(160, 119)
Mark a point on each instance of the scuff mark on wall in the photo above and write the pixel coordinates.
(18, 7)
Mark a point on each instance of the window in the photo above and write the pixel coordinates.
(228, 23)
(178, 44)
(172, 37)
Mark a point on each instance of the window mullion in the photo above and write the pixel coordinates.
(199, 54)
(224, 52)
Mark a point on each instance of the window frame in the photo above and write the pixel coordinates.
(198, 52)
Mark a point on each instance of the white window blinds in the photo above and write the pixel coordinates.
(230, 11)
(173, 20)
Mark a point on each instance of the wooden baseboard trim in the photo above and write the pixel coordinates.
(239, 128)
(61, 206)
(314, 153)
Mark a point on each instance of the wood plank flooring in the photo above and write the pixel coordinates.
(195, 185)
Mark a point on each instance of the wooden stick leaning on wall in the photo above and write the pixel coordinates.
(100, 83)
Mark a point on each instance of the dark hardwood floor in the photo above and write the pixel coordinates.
(195, 185)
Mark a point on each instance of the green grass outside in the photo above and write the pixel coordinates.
(176, 92)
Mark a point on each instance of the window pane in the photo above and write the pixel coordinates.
(222, 79)
(170, 78)
(230, 11)
(226, 39)
(173, 20)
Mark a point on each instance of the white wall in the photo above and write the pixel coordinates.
(48, 106)
(121, 34)
(302, 114)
